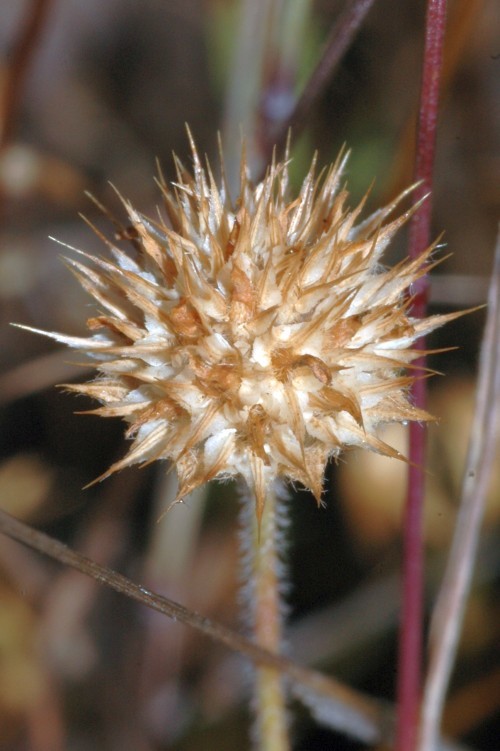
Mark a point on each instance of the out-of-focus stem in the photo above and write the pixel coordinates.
(25, 45)
(30, 31)
(337, 44)
(337, 705)
(244, 84)
(449, 611)
(410, 645)
(463, 18)
(280, 71)
(261, 87)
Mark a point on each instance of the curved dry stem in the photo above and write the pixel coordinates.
(340, 39)
(449, 611)
(334, 704)
(30, 31)
(31, 27)
(362, 717)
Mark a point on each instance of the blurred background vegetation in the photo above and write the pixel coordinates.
(107, 90)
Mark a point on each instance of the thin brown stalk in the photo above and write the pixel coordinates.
(30, 31)
(362, 717)
(337, 44)
(103, 539)
(336, 705)
(449, 611)
(21, 57)
(277, 95)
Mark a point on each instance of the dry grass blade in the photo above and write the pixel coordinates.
(331, 702)
(37, 374)
(450, 606)
(337, 44)
(361, 716)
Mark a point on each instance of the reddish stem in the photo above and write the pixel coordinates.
(21, 57)
(410, 644)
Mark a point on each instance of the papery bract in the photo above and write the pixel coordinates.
(258, 339)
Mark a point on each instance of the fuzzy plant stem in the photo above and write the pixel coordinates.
(410, 644)
(262, 544)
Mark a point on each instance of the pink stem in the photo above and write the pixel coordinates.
(410, 643)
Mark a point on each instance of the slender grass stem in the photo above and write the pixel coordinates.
(339, 40)
(450, 607)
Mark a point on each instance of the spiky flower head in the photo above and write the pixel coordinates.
(256, 339)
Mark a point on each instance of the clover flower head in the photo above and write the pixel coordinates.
(254, 339)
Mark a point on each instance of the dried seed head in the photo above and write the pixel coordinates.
(256, 340)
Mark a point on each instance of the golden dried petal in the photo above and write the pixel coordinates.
(331, 401)
(243, 298)
(257, 431)
(185, 320)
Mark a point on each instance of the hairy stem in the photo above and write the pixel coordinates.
(262, 543)
(410, 645)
